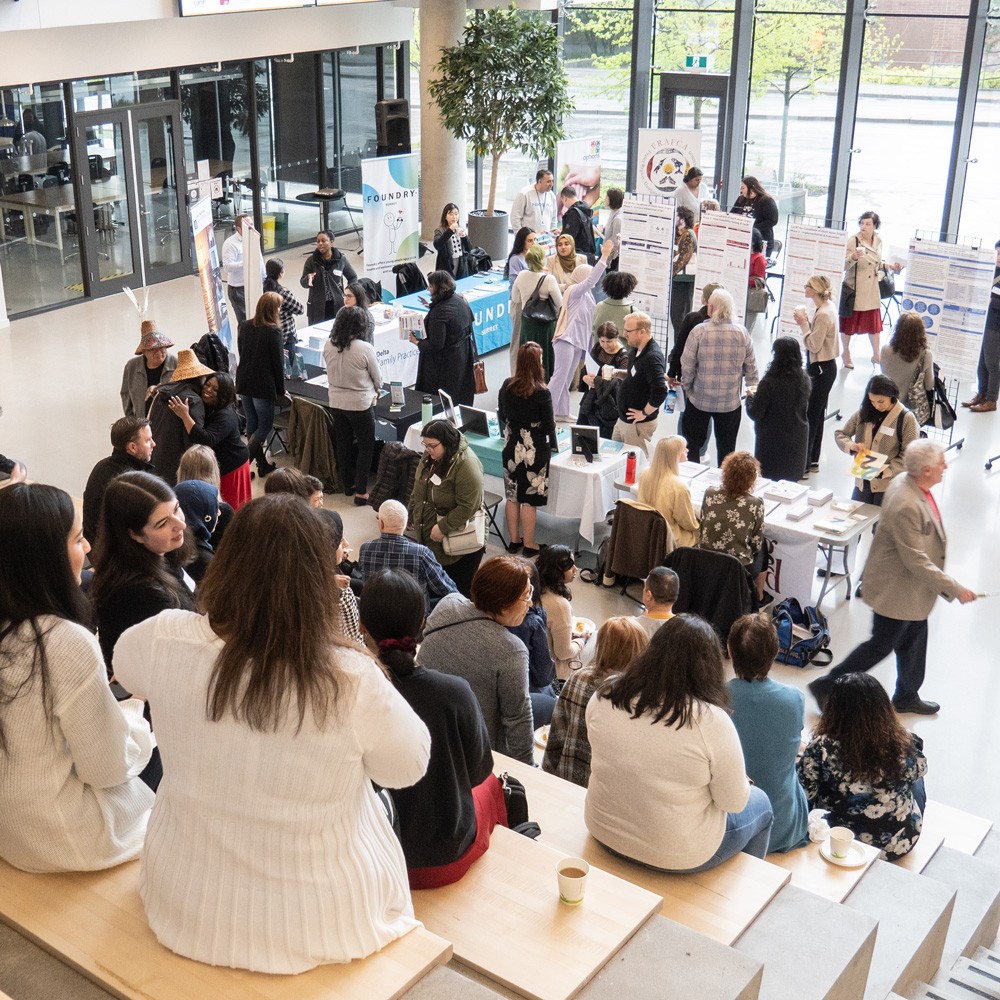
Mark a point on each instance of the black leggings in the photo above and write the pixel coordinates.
(822, 374)
(464, 569)
(353, 436)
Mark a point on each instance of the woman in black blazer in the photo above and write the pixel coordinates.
(447, 350)
(452, 244)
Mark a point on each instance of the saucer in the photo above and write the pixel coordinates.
(855, 855)
(542, 737)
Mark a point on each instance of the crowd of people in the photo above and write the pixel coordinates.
(286, 786)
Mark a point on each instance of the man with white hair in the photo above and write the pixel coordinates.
(717, 357)
(903, 577)
(391, 550)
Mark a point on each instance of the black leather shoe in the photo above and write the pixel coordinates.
(917, 707)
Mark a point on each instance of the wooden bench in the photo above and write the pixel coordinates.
(810, 870)
(94, 922)
(505, 920)
(720, 903)
(943, 824)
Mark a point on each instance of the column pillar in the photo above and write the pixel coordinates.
(442, 158)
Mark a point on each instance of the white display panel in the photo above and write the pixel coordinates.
(193, 8)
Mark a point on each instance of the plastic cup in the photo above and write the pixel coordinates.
(841, 839)
(572, 875)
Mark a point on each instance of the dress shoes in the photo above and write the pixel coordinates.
(974, 401)
(917, 707)
(986, 406)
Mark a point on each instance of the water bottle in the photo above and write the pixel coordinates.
(670, 403)
(426, 410)
(630, 468)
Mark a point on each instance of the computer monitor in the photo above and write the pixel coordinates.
(448, 406)
(585, 441)
(473, 420)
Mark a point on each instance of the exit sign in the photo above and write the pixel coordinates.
(696, 62)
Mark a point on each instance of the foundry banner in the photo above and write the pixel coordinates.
(391, 203)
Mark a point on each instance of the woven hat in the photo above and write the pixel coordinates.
(188, 366)
(152, 338)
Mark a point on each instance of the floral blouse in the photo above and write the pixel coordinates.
(887, 817)
(732, 524)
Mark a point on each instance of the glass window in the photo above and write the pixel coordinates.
(101, 92)
(38, 223)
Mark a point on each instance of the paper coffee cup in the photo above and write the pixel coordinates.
(572, 876)
(841, 839)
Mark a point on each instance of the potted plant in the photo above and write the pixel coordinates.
(502, 88)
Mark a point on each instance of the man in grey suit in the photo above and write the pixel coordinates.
(903, 577)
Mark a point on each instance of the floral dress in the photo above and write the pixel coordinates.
(885, 816)
(732, 524)
(529, 437)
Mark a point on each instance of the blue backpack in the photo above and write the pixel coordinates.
(803, 635)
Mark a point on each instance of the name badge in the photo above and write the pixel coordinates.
(339, 274)
(436, 480)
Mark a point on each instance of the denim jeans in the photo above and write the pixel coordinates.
(748, 831)
(260, 417)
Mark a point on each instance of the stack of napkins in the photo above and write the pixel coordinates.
(819, 497)
(785, 492)
(845, 506)
(797, 513)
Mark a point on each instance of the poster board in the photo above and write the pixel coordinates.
(647, 251)
(210, 272)
(724, 256)
(578, 165)
(809, 250)
(391, 215)
(665, 156)
(948, 286)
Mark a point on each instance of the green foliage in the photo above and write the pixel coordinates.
(502, 87)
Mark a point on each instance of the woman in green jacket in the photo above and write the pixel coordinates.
(447, 494)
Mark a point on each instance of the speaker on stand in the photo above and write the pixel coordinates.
(392, 125)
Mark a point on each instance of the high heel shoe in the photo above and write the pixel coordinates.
(846, 358)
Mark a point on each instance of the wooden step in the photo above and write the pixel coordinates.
(94, 922)
(505, 920)
(947, 825)
(811, 871)
(720, 903)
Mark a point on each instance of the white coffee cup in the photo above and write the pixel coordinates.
(572, 875)
(841, 839)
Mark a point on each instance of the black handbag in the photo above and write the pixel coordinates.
(515, 798)
(847, 294)
(541, 309)
(887, 285)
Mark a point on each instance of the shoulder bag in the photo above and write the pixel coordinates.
(538, 307)
(469, 538)
(848, 292)
(758, 296)
(478, 368)
(916, 397)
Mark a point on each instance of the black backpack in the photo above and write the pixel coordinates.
(212, 353)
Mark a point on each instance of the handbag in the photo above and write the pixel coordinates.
(848, 293)
(887, 285)
(916, 397)
(478, 369)
(540, 308)
(469, 538)
(758, 296)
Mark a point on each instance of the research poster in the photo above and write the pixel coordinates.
(391, 210)
(809, 250)
(665, 156)
(647, 251)
(724, 256)
(948, 286)
(210, 272)
(578, 165)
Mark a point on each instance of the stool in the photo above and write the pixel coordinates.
(491, 502)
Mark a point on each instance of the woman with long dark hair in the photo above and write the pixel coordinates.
(556, 571)
(323, 274)
(452, 244)
(448, 349)
(909, 362)
(881, 425)
(567, 751)
(290, 308)
(865, 768)
(524, 240)
(139, 558)
(760, 206)
(268, 849)
(447, 494)
(682, 283)
(355, 294)
(354, 381)
(220, 431)
(668, 784)
(70, 755)
(524, 407)
(447, 817)
(780, 412)
(260, 375)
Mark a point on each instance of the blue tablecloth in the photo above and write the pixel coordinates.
(489, 300)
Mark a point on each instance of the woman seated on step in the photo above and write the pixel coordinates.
(668, 786)
(865, 768)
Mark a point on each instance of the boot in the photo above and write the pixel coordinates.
(264, 468)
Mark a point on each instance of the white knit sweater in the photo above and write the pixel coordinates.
(269, 850)
(69, 796)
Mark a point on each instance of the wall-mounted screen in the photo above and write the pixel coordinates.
(191, 8)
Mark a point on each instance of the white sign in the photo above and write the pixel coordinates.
(391, 208)
(724, 256)
(647, 251)
(665, 156)
(579, 167)
(809, 250)
(949, 287)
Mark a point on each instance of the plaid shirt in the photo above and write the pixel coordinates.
(717, 358)
(567, 751)
(290, 308)
(390, 551)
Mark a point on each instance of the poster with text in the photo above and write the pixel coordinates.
(948, 286)
(665, 156)
(579, 167)
(809, 250)
(391, 208)
(724, 256)
(210, 272)
(647, 251)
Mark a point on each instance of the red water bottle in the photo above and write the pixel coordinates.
(630, 468)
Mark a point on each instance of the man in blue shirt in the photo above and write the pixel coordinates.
(392, 551)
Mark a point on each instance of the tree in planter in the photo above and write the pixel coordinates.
(501, 88)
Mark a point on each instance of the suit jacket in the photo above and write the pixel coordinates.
(905, 570)
(133, 390)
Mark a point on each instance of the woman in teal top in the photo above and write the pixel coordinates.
(768, 717)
